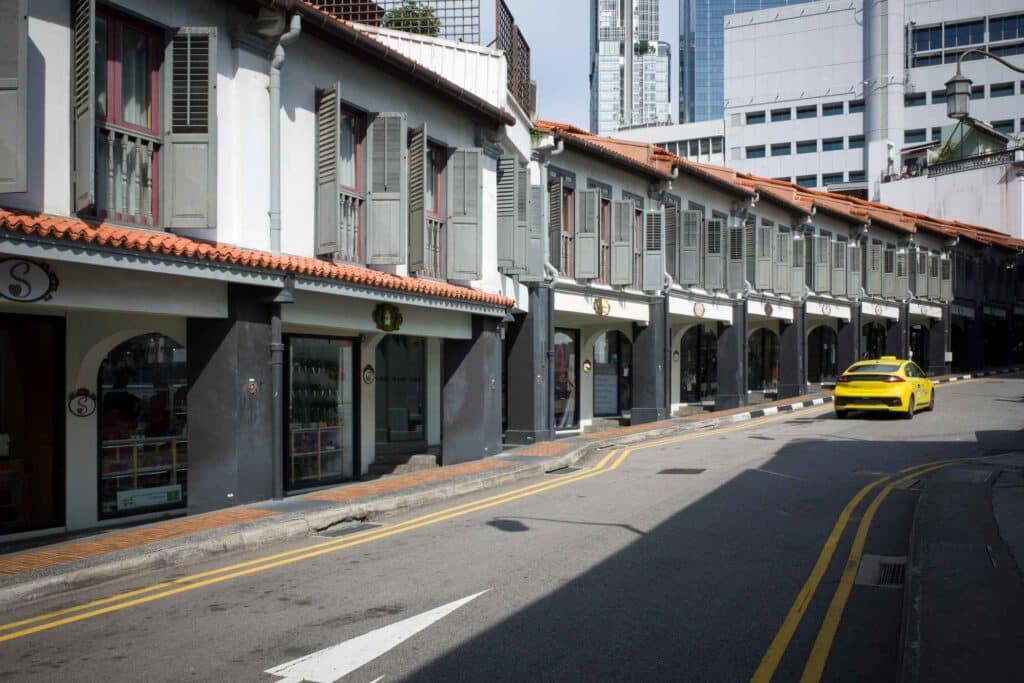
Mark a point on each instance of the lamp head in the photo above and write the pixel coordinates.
(958, 96)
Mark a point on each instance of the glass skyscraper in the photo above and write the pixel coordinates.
(701, 53)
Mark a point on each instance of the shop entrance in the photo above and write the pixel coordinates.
(31, 422)
(699, 365)
(763, 361)
(401, 394)
(613, 382)
(919, 346)
(567, 401)
(873, 340)
(822, 347)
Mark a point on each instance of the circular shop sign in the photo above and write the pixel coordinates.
(768, 310)
(26, 281)
(82, 403)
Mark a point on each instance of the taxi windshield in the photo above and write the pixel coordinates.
(876, 367)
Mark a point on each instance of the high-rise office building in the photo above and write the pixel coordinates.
(629, 67)
(702, 54)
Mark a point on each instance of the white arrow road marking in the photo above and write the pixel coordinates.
(331, 664)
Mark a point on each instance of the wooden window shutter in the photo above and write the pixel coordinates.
(190, 148)
(418, 158)
(838, 267)
(750, 249)
(535, 237)
(783, 255)
(465, 215)
(672, 240)
(763, 275)
(874, 275)
(588, 234)
(853, 269)
(328, 186)
(689, 247)
(555, 218)
(387, 190)
(520, 240)
(654, 252)
(83, 103)
(622, 242)
(797, 273)
(507, 189)
(14, 95)
(902, 279)
(934, 289)
(713, 264)
(946, 288)
(735, 273)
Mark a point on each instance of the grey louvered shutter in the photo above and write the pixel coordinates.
(83, 103)
(654, 251)
(853, 258)
(874, 279)
(750, 250)
(713, 256)
(418, 158)
(622, 242)
(535, 237)
(465, 217)
(190, 148)
(946, 276)
(735, 273)
(839, 254)
(672, 240)
(888, 272)
(797, 274)
(783, 255)
(689, 247)
(520, 238)
(387, 190)
(918, 277)
(555, 202)
(588, 234)
(822, 276)
(933, 277)
(902, 280)
(763, 278)
(507, 188)
(13, 95)
(328, 186)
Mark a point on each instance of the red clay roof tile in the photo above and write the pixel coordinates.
(105, 235)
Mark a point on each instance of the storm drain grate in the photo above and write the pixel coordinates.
(682, 470)
(346, 529)
(562, 470)
(882, 571)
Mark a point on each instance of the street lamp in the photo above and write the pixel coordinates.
(958, 88)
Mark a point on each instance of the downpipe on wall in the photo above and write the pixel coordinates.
(285, 39)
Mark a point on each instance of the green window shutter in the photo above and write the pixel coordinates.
(535, 236)
(714, 237)
(328, 187)
(83, 103)
(417, 198)
(465, 224)
(190, 148)
(387, 193)
(555, 217)
(520, 239)
(763, 274)
(622, 242)
(13, 95)
(588, 229)
(689, 247)
(507, 188)
(654, 251)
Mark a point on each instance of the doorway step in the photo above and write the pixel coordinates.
(401, 463)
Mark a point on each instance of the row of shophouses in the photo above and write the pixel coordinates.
(249, 249)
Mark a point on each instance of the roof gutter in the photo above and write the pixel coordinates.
(341, 30)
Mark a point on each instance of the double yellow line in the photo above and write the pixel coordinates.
(165, 589)
(815, 664)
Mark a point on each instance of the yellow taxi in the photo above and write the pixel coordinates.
(885, 384)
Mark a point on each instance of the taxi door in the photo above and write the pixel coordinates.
(920, 385)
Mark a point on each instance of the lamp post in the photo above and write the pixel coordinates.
(958, 88)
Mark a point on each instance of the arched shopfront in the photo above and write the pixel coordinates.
(143, 459)
(920, 337)
(698, 358)
(763, 360)
(873, 340)
(567, 378)
(822, 354)
(613, 379)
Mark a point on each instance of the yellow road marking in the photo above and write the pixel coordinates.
(773, 655)
(165, 589)
(815, 666)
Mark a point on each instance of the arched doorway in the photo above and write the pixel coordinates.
(958, 344)
(822, 352)
(919, 339)
(613, 380)
(698, 362)
(567, 378)
(873, 340)
(763, 360)
(143, 460)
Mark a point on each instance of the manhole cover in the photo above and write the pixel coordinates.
(882, 571)
(682, 470)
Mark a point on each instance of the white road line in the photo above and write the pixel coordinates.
(332, 663)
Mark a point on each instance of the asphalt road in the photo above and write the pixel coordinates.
(677, 561)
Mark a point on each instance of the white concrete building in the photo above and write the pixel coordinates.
(702, 141)
(795, 75)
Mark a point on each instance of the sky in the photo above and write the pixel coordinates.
(558, 32)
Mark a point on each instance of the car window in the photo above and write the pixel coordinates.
(876, 367)
(918, 372)
(912, 370)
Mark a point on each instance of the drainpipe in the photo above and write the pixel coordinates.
(294, 29)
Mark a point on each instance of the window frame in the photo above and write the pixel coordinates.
(808, 112)
(805, 144)
(755, 152)
(439, 152)
(832, 109)
(825, 142)
(360, 117)
(114, 71)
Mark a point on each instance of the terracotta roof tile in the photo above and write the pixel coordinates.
(169, 244)
(639, 156)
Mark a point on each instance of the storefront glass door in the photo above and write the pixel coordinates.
(321, 411)
(613, 355)
(566, 379)
(31, 422)
(401, 393)
(873, 340)
(699, 365)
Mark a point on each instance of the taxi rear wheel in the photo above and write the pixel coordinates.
(909, 415)
(931, 401)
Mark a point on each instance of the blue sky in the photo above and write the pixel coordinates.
(558, 32)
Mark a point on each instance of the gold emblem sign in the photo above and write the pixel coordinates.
(601, 306)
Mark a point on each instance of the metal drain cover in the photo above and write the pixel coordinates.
(882, 571)
(682, 470)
